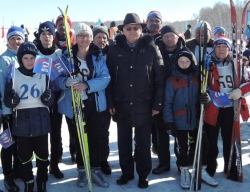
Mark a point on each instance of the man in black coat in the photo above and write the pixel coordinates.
(134, 95)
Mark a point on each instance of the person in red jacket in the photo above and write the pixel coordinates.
(221, 79)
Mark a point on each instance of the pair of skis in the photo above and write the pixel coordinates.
(77, 107)
(196, 171)
(235, 149)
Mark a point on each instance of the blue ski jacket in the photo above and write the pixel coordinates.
(97, 84)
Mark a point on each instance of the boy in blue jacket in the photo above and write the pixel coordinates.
(180, 111)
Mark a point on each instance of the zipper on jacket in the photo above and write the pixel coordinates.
(97, 103)
(116, 73)
(148, 73)
(16, 117)
(187, 112)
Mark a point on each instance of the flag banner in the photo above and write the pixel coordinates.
(219, 99)
(6, 138)
(42, 65)
(57, 68)
(11, 72)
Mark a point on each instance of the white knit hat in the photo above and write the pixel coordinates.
(198, 25)
(82, 27)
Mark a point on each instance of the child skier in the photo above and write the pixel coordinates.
(28, 94)
(180, 111)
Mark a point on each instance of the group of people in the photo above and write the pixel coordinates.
(147, 79)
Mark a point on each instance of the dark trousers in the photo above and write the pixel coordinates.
(162, 141)
(105, 136)
(225, 123)
(9, 154)
(181, 147)
(143, 158)
(93, 126)
(55, 134)
(26, 147)
(154, 135)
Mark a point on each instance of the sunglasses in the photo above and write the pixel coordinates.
(130, 28)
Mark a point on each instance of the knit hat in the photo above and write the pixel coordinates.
(167, 29)
(46, 26)
(245, 58)
(154, 14)
(60, 18)
(99, 29)
(112, 24)
(222, 40)
(185, 53)
(26, 48)
(198, 25)
(82, 27)
(219, 29)
(15, 31)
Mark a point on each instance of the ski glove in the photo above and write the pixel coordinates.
(46, 95)
(170, 129)
(235, 94)
(69, 82)
(14, 97)
(204, 98)
(6, 118)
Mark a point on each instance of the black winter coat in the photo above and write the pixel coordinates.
(30, 122)
(137, 80)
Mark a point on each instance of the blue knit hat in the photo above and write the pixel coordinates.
(15, 31)
(222, 40)
(26, 48)
(46, 26)
(154, 14)
(219, 29)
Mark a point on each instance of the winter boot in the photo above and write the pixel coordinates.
(207, 178)
(185, 178)
(54, 170)
(98, 178)
(81, 180)
(106, 169)
(10, 183)
(41, 186)
(29, 186)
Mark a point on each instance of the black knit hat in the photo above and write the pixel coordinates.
(132, 18)
(113, 24)
(46, 26)
(186, 53)
(167, 29)
(26, 48)
(100, 29)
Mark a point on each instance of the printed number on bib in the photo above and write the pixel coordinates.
(26, 92)
(226, 81)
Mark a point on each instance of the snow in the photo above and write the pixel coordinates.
(165, 182)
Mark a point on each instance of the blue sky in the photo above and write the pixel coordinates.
(32, 12)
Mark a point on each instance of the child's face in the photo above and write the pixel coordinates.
(184, 62)
(28, 61)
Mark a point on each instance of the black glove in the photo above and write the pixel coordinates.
(14, 97)
(170, 128)
(46, 95)
(204, 98)
(6, 118)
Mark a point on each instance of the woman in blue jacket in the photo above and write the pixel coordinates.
(91, 79)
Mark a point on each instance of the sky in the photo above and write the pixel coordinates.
(32, 12)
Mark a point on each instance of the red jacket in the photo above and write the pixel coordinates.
(211, 112)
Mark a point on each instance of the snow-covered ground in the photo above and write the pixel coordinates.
(166, 182)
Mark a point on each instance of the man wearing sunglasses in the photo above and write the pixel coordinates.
(134, 95)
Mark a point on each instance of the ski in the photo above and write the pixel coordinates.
(196, 173)
(237, 56)
(77, 108)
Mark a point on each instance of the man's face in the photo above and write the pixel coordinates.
(15, 41)
(100, 40)
(170, 40)
(200, 33)
(154, 25)
(46, 39)
(132, 32)
(61, 29)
